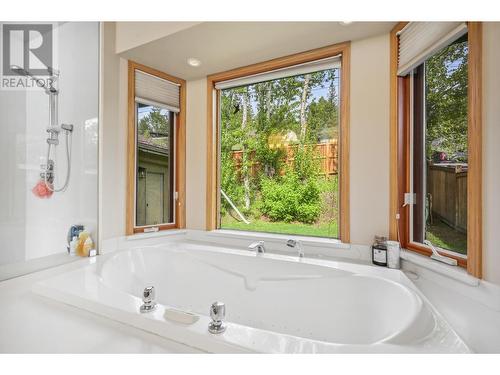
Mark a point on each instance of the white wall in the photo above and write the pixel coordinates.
(40, 226)
(133, 34)
(491, 151)
(196, 149)
(113, 133)
(369, 138)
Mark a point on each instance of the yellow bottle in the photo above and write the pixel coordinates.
(87, 246)
(81, 249)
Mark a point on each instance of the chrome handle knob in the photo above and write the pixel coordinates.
(217, 313)
(149, 294)
(148, 299)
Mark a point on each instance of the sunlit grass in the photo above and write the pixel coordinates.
(319, 230)
(444, 236)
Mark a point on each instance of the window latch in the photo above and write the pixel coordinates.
(176, 195)
(410, 198)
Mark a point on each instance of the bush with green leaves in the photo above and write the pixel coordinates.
(289, 199)
(230, 184)
(305, 165)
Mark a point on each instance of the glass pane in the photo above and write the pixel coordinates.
(279, 155)
(41, 198)
(440, 151)
(155, 166)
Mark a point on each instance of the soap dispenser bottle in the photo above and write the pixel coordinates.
(379, 251)
(72, 246)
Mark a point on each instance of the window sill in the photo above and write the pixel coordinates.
(274, 237)
(453, 272)
(161, 233)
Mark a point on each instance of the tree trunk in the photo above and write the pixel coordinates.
(245, 161)
(303, 103)
(268, 100)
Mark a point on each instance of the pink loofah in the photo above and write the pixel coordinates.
(41, 190)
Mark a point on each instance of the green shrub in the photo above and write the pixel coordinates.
(230, 184)
(305, 165)
(288, 199)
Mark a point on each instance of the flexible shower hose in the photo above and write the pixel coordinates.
(68, 168)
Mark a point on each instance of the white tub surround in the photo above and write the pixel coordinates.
(470, 305)
(315, 247)
(30, 323)
(413, 260)
(274, 303)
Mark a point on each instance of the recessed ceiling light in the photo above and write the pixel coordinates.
(193, 62)
(345, 23)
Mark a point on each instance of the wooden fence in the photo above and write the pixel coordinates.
(326, 153)
(447, 186)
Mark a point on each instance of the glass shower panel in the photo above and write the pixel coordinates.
(49, 106)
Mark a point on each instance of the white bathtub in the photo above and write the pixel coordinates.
(274, 303)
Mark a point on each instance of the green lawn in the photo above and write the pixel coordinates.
(444, 236)
(300, 229)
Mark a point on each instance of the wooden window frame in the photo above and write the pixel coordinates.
(213, 126)
(180, 152)
(400, 157)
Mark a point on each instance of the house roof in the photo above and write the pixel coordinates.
(152, 145)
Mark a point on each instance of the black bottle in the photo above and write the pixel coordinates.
(379, 251)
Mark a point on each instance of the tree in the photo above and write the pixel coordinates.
(446, 100)
(310, 81)
(323, 120)
(254, 114)
(154, 122)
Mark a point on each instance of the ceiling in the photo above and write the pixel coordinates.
(221, 46)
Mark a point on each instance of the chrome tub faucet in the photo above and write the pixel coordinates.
(258, 247)
(297, 245)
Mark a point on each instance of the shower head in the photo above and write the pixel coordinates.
(40, 82)
(20, 71)
(23, 72)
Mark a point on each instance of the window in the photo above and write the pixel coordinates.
(156, 151)
(439, 156)
(279, 135)
(437, 141)
(155, 165)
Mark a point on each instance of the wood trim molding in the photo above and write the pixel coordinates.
(283, 62)
(399, 153)
(180, 129)
(475, 147)
(212, 160)
(395, 102)
(345, 99)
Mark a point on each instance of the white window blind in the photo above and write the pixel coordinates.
(310, 67)
(420, 40)
(156, 91)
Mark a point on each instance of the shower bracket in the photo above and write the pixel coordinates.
(53, 135)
